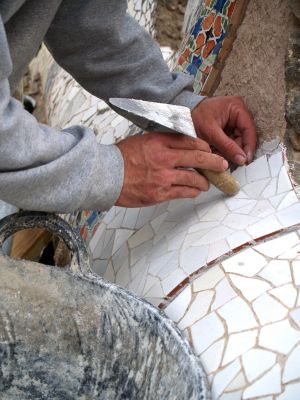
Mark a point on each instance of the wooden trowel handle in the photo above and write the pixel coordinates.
(222, 180)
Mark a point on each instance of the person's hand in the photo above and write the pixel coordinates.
(226, 124)
(153, 168)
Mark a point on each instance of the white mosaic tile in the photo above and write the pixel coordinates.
(276, 200)
(264, 226)
(224, 377)
(178, 307)
(109, 273)
(217, 250)
(123, 277)
(208, 279)
(270, 383)
(295, 315)
(254, 189)
(277, 246)
(289, 216)
(246, 319)
(206, 331)
(268, 309)
(277, 272)
(247, 263)
(291, 392)
(275, 163)
(250, 288)
(270, 190)
(120, 259)
(287, 294)
(198, 309)
(239, 343)
(193, 258)
(290, 199)
(172, 280)
(259, 169)
(224, 293)
(237, 205)
(155, 292)
(231, 396)
(291, 254)
(280, 337)
(296, 272)
(211, 358)
(239, 382)
(256, 362)
(238, 238)
(266, 398)
(284, 183)
(100, 266)
(292, 367)
(120, 238)
(141, 236)
(262, 209)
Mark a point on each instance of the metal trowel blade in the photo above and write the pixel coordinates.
(156, 116)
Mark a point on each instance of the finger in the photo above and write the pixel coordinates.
(191, 179)
(226, 146)
(180, 141)
(239, 141)
(198, 159)
(182, 192)
(244, 123)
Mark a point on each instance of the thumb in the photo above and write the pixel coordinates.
(226, 146)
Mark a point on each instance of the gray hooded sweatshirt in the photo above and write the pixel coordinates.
(110, 55)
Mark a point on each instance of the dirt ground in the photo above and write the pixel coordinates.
(170, 15)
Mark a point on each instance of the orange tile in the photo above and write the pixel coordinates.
(200, 40)
(208, 21)
(208, 48)
(218, 26)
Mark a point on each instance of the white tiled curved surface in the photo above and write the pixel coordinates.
(153, 250)
(242, 316)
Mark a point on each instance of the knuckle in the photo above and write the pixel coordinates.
(205, 185)
(206, 146)
(230, 145)
(161, 157)
(191, 142)
(163, 178)
(200, 157)
(195, 180)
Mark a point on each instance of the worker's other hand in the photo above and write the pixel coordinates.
(153, 168)
(226, 124)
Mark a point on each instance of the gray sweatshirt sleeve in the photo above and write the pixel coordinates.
(110, 55)
(44, 169)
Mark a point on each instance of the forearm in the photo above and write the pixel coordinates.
(48, 170)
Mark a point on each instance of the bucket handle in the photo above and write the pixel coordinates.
(80, 264)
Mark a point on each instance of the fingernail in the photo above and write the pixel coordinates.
(249, 156)
(225, 164)
(239, 159)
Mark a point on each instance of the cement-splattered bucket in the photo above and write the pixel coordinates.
(68, 334)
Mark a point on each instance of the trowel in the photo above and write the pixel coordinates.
(160, 117)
